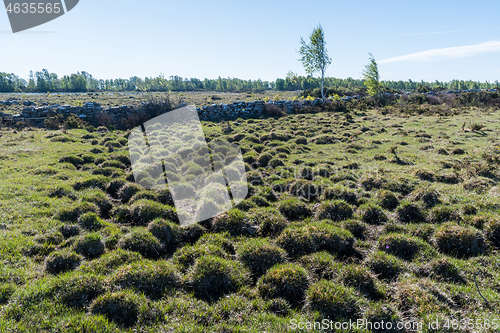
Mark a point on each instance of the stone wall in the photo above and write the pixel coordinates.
(95, 115)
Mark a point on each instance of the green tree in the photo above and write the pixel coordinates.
(314, 56)
(372, 77)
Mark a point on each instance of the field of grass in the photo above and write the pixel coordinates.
(350, 216)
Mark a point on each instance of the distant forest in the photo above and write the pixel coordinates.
(44, 81)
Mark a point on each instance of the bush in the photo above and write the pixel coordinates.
(315, 237)
(259, 255)
(335, 210)
(142, 241)
(120, 307)
(385, 266)
(321, 265)
(154, 279)
(294, 209)
(232, 221)
(213, 277)
(287, 281)
(408, 212)
(91, 222)
(402, 246)
(388, 200)
(459, 241)
(59, 262)
(333, 300)
(90, 245)
(372, 214)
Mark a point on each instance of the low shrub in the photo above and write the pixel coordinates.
(459, 241)
(212, 277)
(127, 191)
(357, 228)
(73, 213)
(69, 231)
(287, 281)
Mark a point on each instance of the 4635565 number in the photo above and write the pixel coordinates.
(34, 8)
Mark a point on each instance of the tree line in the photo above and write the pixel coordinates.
(44, 81)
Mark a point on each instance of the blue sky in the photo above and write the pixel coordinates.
(418, 40)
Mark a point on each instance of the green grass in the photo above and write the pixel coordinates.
(362, 217)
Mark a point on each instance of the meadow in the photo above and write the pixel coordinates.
(372, 214)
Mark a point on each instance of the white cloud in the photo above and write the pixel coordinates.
(447, 53)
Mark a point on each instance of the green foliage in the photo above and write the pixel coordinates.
(122, 307)
(213, 277)
(142, 241)
(287, 281)
(259, 255)
(333, 300)
(371, 77)
(153, 278)
(459, 241)
(314, 56)
(90, 245)
(60, 262)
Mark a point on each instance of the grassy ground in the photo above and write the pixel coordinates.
(365, 216)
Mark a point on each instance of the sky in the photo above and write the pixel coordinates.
(419, 40)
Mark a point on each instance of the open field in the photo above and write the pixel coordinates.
(358, 215)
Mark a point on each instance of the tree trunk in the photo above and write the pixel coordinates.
(322, 85)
